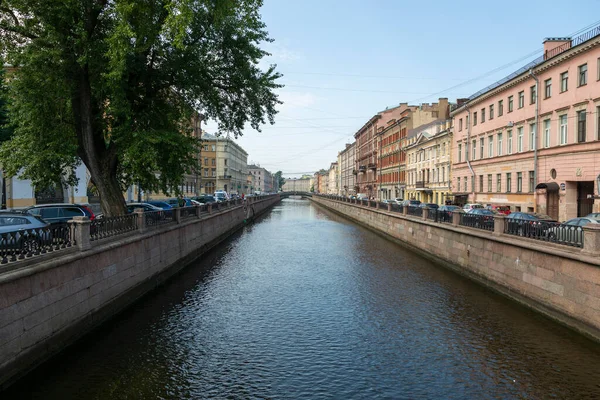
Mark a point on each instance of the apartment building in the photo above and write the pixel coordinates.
(333, 185)
(232, 167)
(208, 164)
(532, 140)
(347, 171)
(262, 180)
(303, 184)
(428, 162)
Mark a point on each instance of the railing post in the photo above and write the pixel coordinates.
(177, 211)
(209, 208)
(499, 223)
(456, 217)
(425, 213)
(389, 206)
(81, 232)
(591, 239)
(198, 211)
(405, 210)
(141, 221)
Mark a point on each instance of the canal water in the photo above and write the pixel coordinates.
(306, 305)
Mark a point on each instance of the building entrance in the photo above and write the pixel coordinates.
(584, 205)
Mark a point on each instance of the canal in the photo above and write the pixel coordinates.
(304, 304)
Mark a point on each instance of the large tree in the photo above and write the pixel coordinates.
(116, 83)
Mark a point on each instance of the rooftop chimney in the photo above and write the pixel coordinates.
(555, 46)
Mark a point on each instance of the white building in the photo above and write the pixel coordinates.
(232, 167)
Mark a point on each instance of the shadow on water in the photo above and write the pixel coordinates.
(305, 304)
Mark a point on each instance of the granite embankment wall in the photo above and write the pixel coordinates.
(48, 302)
(561, 282)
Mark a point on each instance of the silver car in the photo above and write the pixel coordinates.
(22, 231)
(571, 231)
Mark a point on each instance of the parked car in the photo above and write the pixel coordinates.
(429, 205)
(174, 202)
(411, 203)
(154, 216)
(501, 209)
(60, 213)
(221, 197)
(445, 212)
(485, 221)
(399, 200)
(593, 215)
(470, 206)
(570, 232)
(529, 224)
(23, 232)
(205, 199)
(160, 204)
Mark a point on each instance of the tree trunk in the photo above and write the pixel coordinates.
(111, 196)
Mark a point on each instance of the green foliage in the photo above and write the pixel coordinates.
(116, 83)
(280, 178)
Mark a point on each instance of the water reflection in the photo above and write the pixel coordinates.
(304, 304)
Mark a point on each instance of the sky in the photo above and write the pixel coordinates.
(344, 61)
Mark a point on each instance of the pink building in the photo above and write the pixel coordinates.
(532, 140)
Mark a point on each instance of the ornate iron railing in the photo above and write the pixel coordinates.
(157, 218)
(415, 211)
(32, 242)
(485, 222)
(102, 228)
(187, 212)
(546, 231)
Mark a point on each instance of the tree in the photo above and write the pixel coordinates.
(116, 83)
(280, 179)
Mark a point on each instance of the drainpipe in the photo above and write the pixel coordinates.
(469, 151)
(535, 137)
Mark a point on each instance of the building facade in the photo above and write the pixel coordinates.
(297, 185)
(333, 184)
(262, 180)
(531, 141)
(428, 165)
(347, 171)
(232, 167)
(208, 162)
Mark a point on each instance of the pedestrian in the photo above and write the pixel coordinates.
(181, 201)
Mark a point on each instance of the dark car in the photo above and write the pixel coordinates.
(445, 212)
(145, 206)
(160, 204)
(480, 218)
(60, 213)
(429, 205)
(529, 224)
(411, 203)
(154, 213)
(175, 202)
(205, 199)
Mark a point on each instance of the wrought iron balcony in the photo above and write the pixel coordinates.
(372, 166)
(421, 184)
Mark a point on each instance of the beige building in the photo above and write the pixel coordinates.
(347, 171)
(333, 186)
(297, 185)
(262, 180)
(232, 167)
(428, 162)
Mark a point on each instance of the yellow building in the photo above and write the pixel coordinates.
(428, 162)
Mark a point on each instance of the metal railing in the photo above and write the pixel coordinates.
(381, 205)
(32, 242)
(101, 228)
(415, 211)
(157, 218)
(553, 232)
(397, 208)
(187, 212)
(485, 222)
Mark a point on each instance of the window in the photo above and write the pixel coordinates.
(581, 120)
(499, 144)
(467, 121)
(508, 182)
(598, 123)
(213, 161)
(213, 148)
(214, 172)
(582, 75)
(481, 183)
(532, 94)
(459, 152)
(547, 133)
(460, 124)
(532, 143)
(519, 139)
(531, 181)
(547, 88)
(481, 146)
(489, 183)
(509, 132)
(490, 146)
(498, 183)
(521, 99)
(206, 172)
(205, 160)
(475, 118)
(482, 115)
(510, 103)
(519, 182)
(472, 184)
(563, 128)
(474, 147)
(491, 111)
(500, 107)
(564, 81)
(466, 184)
(458, 184)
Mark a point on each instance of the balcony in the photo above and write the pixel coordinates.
(421, 185)
(225, 177)
(372, 166)
(362, 169)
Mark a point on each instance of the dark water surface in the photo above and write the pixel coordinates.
(305, 305)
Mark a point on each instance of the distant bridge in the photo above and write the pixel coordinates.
(285, 195)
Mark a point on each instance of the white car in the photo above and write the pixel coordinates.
(471, 206)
